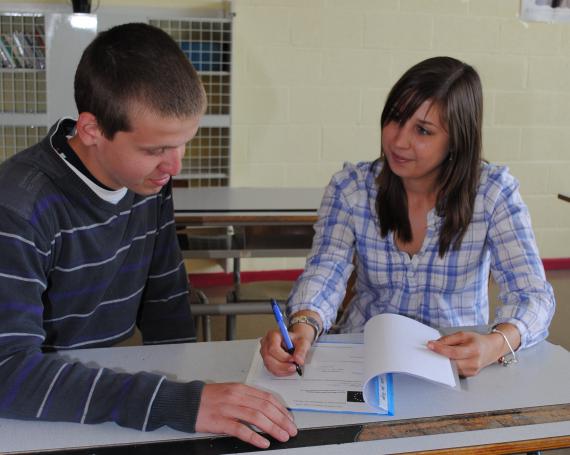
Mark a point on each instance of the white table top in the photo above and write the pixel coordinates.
(246, 200)
(540, 378)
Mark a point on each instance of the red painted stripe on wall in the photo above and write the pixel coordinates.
(556, 264)
(204, 280)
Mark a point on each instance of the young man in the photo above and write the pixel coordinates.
(89, 251)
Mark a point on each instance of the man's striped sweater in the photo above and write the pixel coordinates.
(79, 272)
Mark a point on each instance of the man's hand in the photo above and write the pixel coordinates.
(473, 351)
(230, 408)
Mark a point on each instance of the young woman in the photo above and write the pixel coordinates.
(424, 226)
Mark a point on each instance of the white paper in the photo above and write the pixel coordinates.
(397, 344)
(337, 375)
(331, 381)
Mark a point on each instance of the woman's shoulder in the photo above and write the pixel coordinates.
(496, 176)
(357, 175)
(496, 184)
(354, 183)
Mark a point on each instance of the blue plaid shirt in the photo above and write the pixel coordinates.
(441, 292)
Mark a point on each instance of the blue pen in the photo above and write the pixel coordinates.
(284, 333)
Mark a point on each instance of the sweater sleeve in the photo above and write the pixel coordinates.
(35, 385)
(164, 316)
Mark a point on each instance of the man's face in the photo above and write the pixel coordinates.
(143, 159)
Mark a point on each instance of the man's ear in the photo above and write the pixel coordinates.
(88, 129)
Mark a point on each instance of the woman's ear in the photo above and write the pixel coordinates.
(87, 129)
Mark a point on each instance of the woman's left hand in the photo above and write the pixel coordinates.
(471, 351)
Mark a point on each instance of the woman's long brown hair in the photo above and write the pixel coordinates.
(456, 88)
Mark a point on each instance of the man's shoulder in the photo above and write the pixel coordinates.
(24, 182)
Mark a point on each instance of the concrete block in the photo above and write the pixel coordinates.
(239, 146)
(530, 38)
(343, 28)
(500, 72)
(501, 144)
(554, 243)
(399, 31)
(274, 66)
(466, 34)
(357, 68)
(264, 105)
(440, 7)
(523, 109)
(372, 104)
(351, 143)
(258, 175)
(559, 181)
(549, 73)
(284, 144)
(309, 175)
(545, 144)
(326, 105)
(383, 5)
(494, 8)
(533, 177)
(260, 24)
(561, 109)
(306, 27)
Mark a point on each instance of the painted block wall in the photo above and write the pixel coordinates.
(310, 78)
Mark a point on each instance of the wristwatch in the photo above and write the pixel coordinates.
(309, 321)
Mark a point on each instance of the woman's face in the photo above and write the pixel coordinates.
(416, 149)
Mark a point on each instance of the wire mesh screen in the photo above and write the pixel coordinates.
(217, 88)
(207, 158)
(22, 62)
(16, 138)
(207, 43)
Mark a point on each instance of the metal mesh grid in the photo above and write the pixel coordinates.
(206, 162)
(217, 88)
(207, 43)
(16, 138)
(22, 64)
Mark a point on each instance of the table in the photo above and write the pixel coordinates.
(245, 222)
(502, 410)
(235, 223)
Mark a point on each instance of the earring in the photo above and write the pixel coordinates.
(450, 156)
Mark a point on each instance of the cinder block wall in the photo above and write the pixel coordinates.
(311, 77)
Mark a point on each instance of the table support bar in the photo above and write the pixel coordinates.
(213, 309)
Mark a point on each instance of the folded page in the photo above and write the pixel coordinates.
(397, 344)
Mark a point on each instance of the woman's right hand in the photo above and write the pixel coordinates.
(277, 360)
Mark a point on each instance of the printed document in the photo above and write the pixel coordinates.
(357, 378)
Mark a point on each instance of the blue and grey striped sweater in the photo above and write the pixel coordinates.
(77, 272)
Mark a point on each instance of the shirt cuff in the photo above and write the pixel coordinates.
(176, 406)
